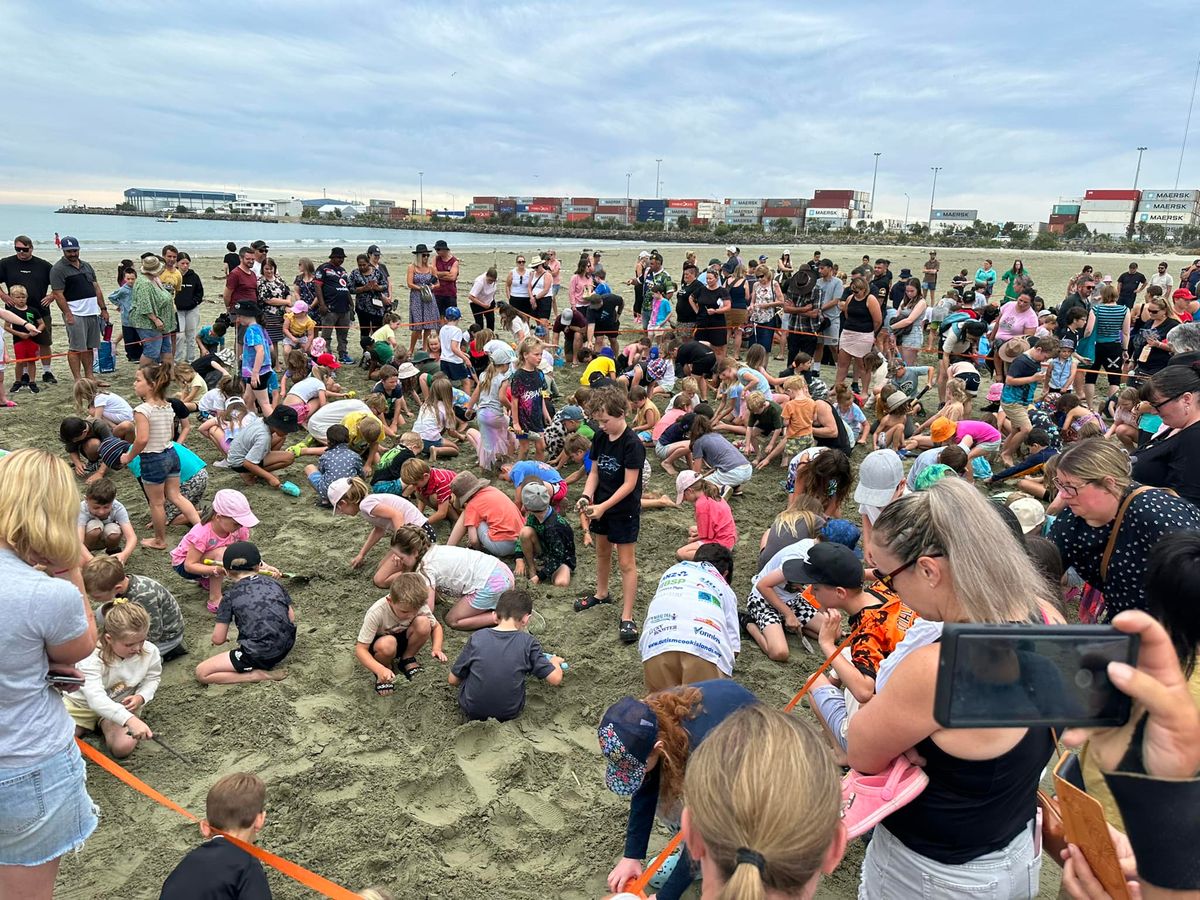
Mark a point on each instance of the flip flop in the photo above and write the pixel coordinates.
(384, 687)
(628, 631)
(409, 667)
(589, 601)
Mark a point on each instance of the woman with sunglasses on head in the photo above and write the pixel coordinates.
(423, 316)
(973, 828)
(1095, 481)
(1169, 459)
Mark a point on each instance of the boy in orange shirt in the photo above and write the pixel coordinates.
(797, 419)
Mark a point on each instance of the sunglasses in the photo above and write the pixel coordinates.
(520, 262)
(887, 579)
(23, 249)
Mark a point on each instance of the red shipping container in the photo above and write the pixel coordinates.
(682, 204)
(584, 201)
(491, 200)
(833, 195)
(1057, 229)
(556, 201)
(543, 207)
(578, 217)
(398, 212)
(612, 210)
(782, 212)
(1063, 219)
(1113, 195)
(481, 213)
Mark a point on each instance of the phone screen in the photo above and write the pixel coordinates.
(998, 676)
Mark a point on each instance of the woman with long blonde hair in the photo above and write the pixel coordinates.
(50, 629)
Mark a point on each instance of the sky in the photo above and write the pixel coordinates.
(1021, 104)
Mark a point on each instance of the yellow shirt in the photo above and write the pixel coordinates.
(172, 280)
(298, 325)
(386, 334)
(351, 421)
(600, 364)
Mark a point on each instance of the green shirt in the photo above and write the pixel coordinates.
(149, 298)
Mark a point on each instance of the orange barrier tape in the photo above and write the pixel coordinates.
(638, 885)
(310, 880)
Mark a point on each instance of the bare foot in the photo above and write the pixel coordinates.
(152, 544)
(670, 471)
(276, 674)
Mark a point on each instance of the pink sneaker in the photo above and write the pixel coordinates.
(869, 799)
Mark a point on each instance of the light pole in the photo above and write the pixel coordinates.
(421, 175)
(874, 176)
(933, 193)
(657, 178)
(906, 202)
(1188, 124)
(628, 175)
(1138, 170)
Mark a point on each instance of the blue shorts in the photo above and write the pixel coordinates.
(455, 371)
(154, 343)
(45, 809)
(427, 445)
(158, 468)
(181, 570)
(929, 285)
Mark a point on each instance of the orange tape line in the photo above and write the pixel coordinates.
(310, 880)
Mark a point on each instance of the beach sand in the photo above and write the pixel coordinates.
(398, 791)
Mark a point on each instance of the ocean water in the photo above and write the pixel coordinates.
(133, 235)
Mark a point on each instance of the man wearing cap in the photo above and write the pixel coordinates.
(445, 266)
(691, 630)
(655, 274)
(930, 276)
(573, 324)
(77, 292)
(376, 257)
(568, 420)
(732, 260)
(333, 301)
(32, 273)
(260, 249)
(254, 450)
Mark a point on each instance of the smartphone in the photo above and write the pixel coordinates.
(54, 678)
(1012, 676)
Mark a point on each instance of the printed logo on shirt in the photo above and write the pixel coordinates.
(661, 617)
(706, 597)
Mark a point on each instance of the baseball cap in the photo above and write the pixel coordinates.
(571, 414)
(826, 563)
(731, 249)
(1029, 513)
(567, 316)
(535, 496)
(241, 556)
(373, 250)
(327, 360)
(234, 504)
(684, 480)
(607, 352)
(878, 476)
(1180, 293)
(69, 243)
(337, 490)
(299, 307)
(260, 245)
(645, 254)
(502, 356)
(627, 733)
(941, 429)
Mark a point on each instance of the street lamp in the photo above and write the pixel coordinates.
(906, 202)
(657, 179)
(874, 176)
(421, 175)
(933, 193)
(1138, 170)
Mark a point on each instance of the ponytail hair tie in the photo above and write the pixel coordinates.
(749, 856)
(118, 600)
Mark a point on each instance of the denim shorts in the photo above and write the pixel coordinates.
(154, 343)
(158, 467)
(45, 809)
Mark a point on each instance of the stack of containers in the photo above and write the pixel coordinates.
(1063, 216)
(1173, 209)
(612, 209)
(709, 211)
(651, 210)
(506, 205)
(481, 209)
(677, 208)
(743, 211)
(579, 212)
(545, 208)
(789, 208)
(1109, 212)
(830, 208)
(485, 202)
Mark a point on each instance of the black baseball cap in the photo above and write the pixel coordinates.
(260, 245)
(241, 556)
(372, 250)
(826, 563)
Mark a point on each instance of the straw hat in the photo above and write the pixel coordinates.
(465, 486)
(895, 400)
(152, 266)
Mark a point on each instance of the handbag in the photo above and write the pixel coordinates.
(1054, 835)
(869, 799)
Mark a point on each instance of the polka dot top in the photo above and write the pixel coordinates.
(1150, 515)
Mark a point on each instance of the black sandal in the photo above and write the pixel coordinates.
(384, 687)
(744, 620)
(409, 667)
(628, 631)
(589, 601)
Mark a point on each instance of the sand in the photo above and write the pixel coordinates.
(397, 791)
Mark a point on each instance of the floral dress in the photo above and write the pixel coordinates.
(422, 307)
(273, 289)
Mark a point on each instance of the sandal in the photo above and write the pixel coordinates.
(211, 607)
(409, 667)
(384, 687)
(589, 601)
(628, 631)
(744, 620)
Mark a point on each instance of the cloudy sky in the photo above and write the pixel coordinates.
(1020, 103)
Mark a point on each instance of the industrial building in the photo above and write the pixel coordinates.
(160, 199)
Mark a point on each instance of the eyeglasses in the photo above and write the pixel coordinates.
(887, 579)
(1071, 490)
(1161, 403)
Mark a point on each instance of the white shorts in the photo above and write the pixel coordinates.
(732, 478)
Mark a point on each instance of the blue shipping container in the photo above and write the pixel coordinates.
(522, 207)
(506, 208)
(652, 204)
(650, 215)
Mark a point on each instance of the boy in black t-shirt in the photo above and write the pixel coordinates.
(612, 500)
(218, 867)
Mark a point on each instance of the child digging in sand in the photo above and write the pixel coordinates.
(104, 522)
(266, 622)
(106, 582)
(395, 628)
(546, 537)
(492, 667)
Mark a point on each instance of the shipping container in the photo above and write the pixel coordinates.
(826, 212)
(613, 201)
(682, 204)
(480, 206)
(798, 202)
(650, 213)
(1176, 206)
(1112, 195)
(506, 207)
(1111, 206)
(398, 212)
(1057, 229)
(1066, 209)
(835, 194)
(1169, 218)
(490, 201)
(522, 207)
(1064, 218)
(579, 208)
(541, 207)
(1105, 215)
(578, 217)
(584, 201)
(521, 200)
(611, 209)
(833, 224)
(481, 213)
(556, 201)
(612, 217)
(1171, 196)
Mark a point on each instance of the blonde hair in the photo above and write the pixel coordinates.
(38, 502)
(307, 266)
(411, 440)
(121, 619)
(795, 383)
(689, 385)
(1109, 293)
(1095, 461)
(409, 590)
(952, 519)
(86, 391)
(528, 345)
(733, 800)
(756, 400)
(18, 290)
(956, 390)
(807, 510)
(357, 492)
(102, 574)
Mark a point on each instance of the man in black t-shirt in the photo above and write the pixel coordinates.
(603, 315)
(333, 296)
(33, 274)
(1131, 284)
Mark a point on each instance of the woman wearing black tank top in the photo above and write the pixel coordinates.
(971, 832)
